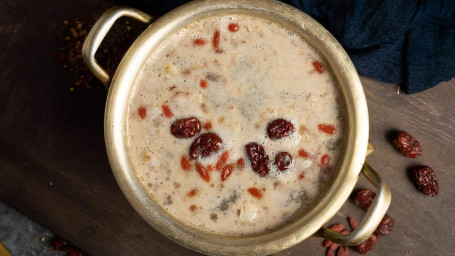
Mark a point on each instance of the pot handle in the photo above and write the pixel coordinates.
(372, 217)
(99, 31)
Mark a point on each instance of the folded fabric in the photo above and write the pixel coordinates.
(408, 42)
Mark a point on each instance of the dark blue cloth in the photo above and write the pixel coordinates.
(409, 42)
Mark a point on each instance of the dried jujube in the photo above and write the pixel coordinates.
(364, 198)
(258, 158)
(425, 180)
(368, 245)
(279, 128)
(206, 144)
(407, 144)
(386, 226)
(283, 161)
(186, 127)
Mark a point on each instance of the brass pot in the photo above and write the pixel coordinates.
(351, 163)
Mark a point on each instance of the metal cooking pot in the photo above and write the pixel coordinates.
(351, 163)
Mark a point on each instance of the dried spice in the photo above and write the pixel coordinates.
(61, 245)
(118, 40)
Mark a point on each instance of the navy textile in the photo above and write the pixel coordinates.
(409, 42)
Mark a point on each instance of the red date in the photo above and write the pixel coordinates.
(364, 198)
(425, 180)
(186, 127)
(258, 158)
(386, 226)
(206, 144)
(279, 128)
(368, 245)
(407, 144)
(283, 161)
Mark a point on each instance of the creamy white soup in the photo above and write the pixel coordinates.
(233, 123)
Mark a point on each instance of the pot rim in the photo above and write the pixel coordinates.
(350, 164)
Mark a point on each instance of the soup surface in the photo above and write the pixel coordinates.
(234, 124)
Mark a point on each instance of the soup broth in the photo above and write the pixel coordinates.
(233, 124)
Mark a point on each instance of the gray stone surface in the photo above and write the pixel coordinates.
(22, 236)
